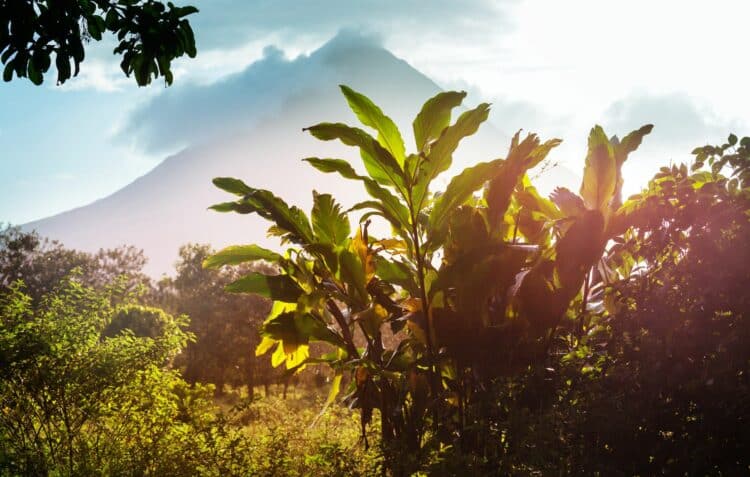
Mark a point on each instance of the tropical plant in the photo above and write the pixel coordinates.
(469, 288)
(83, 391)
(666, 363)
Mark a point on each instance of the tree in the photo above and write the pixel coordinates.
(41, 263)
(84, 390)
(671, 345)
(225, 326)
(150, 36)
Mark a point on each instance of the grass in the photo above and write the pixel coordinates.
(292, 437)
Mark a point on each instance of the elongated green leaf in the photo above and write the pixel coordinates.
(371, 115)
(237, 254)
(290, 219)
(334, 165)
(379, 163)
(332, 393)
(377, 209)
(283, 327)
(391, 206)
(460, 188)
(631, 142)
(315, 328)
(600, 171)
(390, 202)
(522, 155)
(397, 273)
(241, 206)
(352, 272)
(435, 116)
(232, 185)
(276, 287)
(623, 148)
(330, 224)
(530, 199)
(440, 157)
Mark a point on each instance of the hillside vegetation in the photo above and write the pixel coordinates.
(493, 332)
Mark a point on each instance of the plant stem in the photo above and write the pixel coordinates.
(345, 331)
(584, 301)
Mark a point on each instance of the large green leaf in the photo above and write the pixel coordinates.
(352, 272)
(380, 164)
(631, 142)
(391, 206)
(330, 224)
(600, 171)
(232, 185)
(623, 148)
(334, 165)
(522, 156)
(460, 188)
(236, 254)
(242, 206)
(440, 156)
(540, 152)
(390, 202)
(283, 327)
(276, 287)
(291, 221)
(376, 208)
(435, 116)
(397, 273)
(371, 115)
(293, 327)
(530, 199)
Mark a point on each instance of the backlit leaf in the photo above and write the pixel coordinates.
(600, 171)
(460, 188)
(330, 224)
(435, 116)
(380, 164)
(441, 152)
(237, 254)
(371, 115)
(276, 287)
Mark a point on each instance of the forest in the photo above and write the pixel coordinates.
(494, 331)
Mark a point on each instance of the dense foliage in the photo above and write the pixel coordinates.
(41, 264)
(150, 35)
(494, 332)
(225, 325)
(83, 393)
(478, 324)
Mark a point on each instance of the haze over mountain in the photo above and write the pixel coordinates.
(249, 126)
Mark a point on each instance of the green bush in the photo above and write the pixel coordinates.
(75, 400)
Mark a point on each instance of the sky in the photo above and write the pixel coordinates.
(550, 67)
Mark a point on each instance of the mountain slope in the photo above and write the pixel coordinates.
(249, 126)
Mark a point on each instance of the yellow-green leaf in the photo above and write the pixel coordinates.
(371, 115)
(600, 171)
(435, 116)
(236, 254)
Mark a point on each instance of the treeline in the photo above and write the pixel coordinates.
(104, 371)
(223, 327)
